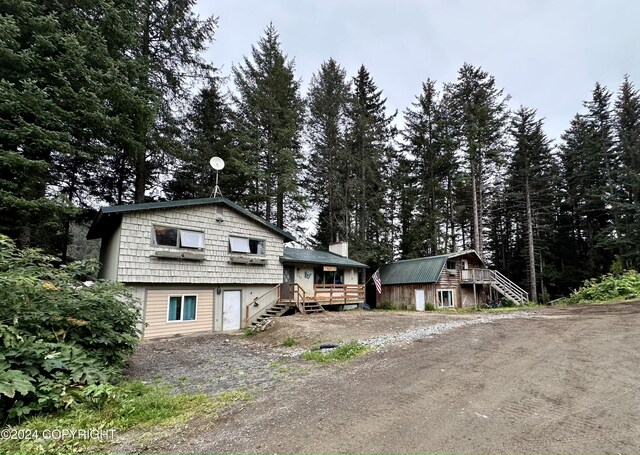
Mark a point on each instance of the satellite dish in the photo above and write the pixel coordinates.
(217, 163)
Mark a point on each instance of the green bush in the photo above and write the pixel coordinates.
(58, 334)
(607, 287)
(429, 306)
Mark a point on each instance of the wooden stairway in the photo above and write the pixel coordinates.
(312, 307)
(274, 311)
(508, 288)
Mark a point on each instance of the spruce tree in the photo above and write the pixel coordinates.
(329, 163)
(481, 114)
(627, 144)
(369, 133)
(270, 115)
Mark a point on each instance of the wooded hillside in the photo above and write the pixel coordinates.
(111, 102)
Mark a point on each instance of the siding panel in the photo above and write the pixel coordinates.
(156, 313)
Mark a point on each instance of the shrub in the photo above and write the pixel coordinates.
(387, 305)
(429, 306)
(58, 334)
(607, 287)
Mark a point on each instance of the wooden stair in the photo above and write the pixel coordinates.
(274, 311)
(312, 307)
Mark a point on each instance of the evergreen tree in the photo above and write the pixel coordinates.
(61, 70)
(270, 115)
(432, 168)
(329, 163)
(530, 185)
(627, 138)
(481, 113)
(208, 133)
(169, 41)
(369, 133)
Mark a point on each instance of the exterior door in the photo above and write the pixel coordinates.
(231, 310)
(420, 299)
(288, 278)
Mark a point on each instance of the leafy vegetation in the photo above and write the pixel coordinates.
(339, 354)
(289, 341)
(58, 335)
(130, 405)
(608, 287)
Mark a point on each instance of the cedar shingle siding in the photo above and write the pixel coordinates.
(135, 263)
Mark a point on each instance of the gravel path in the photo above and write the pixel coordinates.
(211, 364)
(215, 363)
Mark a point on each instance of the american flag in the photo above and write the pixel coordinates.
(376, 280)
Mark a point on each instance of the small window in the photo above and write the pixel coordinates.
(451, 265)
(182, 308)
(247, 246)
(182, 238)
(445, 298)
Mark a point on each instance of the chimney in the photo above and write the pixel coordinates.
(340, 248)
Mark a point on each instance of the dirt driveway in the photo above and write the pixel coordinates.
(561, 380)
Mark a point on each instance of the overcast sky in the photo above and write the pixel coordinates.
(546, 54)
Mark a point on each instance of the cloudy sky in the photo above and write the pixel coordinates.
(546, 54)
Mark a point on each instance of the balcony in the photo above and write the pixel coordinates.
(476, 276)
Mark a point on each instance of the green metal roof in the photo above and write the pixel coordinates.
(301, 256)
(420, 270)
(109, 217)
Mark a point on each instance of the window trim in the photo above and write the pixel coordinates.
(248, 239)
(453, 298)
(178, 237)
(182, 296)
(455, 264)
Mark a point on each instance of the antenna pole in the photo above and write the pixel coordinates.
(217, 189)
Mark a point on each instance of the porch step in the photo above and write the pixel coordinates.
(313, 307)
(275, 311)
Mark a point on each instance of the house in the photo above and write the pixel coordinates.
(204, 264)
(327, 278)
(455, 280)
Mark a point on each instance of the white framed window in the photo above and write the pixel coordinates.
(445, 298)
(246, 245)
(177, 237)
(182, 308)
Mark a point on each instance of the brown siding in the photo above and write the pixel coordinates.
(403, 297)
(156, 313)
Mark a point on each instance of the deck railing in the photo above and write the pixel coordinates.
(478, 276)
(336, 294)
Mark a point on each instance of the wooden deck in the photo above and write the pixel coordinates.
(476, 276)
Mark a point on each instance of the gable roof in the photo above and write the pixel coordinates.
(301, 256)
(109, 217)
(420, 270)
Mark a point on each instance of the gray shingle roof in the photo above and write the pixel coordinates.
(109, 217)
(420, 270)
(301, 256)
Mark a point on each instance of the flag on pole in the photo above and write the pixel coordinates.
(376, 280)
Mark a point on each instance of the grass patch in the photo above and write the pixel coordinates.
(289, 341)
(248, 332)
(341, 353)
(134, 405)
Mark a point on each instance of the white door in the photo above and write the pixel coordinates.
(420, 299)
(231, 310)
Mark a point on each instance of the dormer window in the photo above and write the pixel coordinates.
(177, 237)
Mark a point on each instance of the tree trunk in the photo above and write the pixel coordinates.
(476, 222)
(532, 258)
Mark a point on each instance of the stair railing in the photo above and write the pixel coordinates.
(301, 297)
(261, 299)
(506, 287)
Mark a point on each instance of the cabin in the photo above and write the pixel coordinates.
(211, 265)
(455, 280)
